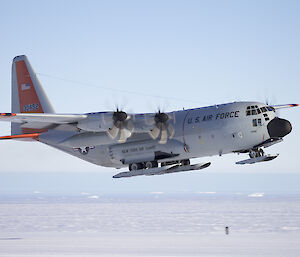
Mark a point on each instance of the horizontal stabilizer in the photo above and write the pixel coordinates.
(23, 136)
(162, 170)
(42, 117)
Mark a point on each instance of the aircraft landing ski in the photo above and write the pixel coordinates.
(162, 170)
(263, 158)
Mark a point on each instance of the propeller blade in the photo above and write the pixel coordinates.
(154, 133)
(163, 137)
(113, 132)
(124, 134)
(171, 131)
(129, 126)
(163, 126)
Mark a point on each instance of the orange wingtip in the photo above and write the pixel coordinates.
(34, 136)
(7, 114)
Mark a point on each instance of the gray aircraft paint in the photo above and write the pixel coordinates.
(216, 136)
(199, 132)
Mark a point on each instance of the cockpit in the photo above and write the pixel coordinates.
(255, 110)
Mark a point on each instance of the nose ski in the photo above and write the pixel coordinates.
(263, 158)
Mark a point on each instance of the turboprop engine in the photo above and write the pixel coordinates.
(162, 126)
(117, 125)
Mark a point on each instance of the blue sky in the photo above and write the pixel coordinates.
(190, 53)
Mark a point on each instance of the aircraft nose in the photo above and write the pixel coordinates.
(279, 127)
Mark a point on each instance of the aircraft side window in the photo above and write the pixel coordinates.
(259, 122)
(254, 122)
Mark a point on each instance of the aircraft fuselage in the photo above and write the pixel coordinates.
(199, 132)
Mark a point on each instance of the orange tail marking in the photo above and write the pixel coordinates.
(29, 101)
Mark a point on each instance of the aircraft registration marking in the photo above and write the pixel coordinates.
(30, 107)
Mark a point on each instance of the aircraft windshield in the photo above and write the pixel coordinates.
(254, 110)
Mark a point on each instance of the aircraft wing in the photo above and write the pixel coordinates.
(38, 120)
(281, 106)
(88, 122)
(118, 125)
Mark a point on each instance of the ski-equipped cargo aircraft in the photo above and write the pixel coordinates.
(148, 143)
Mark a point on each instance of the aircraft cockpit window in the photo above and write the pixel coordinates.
(253, 110)
(263, 109)
(259, 122)
(254, 122)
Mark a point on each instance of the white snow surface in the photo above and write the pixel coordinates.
(150, 226)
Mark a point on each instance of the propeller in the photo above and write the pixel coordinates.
(163, 126)
(122, 126)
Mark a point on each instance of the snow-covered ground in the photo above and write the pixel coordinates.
(154, 225)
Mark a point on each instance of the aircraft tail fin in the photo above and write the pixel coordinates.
(27, 95)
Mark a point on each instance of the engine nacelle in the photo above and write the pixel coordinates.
(98, 122)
